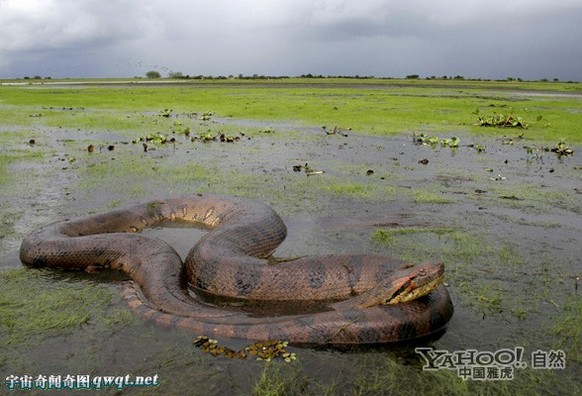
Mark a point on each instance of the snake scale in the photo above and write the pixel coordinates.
(231, 260)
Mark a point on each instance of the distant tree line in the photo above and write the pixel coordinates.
(36, 78)
(153, 74)
(179, 75)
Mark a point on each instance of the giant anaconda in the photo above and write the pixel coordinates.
(230, 260)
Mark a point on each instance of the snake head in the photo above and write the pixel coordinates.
(401, 286)
(412, 283)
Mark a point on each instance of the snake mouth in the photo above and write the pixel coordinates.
(410, 291)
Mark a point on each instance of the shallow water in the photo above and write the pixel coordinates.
(512, 245)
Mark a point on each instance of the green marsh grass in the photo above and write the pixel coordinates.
(430, 197)
(384, 108)
(388, 235)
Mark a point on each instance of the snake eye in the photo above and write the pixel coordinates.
(422, 272)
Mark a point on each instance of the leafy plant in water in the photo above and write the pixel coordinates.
(452, 142)
(210, 137)
(206, 116)
(502, 121)
(158, 138)
(207, 137)
(426, 140)
(562, 149)
(432, 141)
(265, 350)
(166, 113)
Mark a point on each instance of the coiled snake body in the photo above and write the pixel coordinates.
(230, 260)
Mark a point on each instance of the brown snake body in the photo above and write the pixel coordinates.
(230, 261)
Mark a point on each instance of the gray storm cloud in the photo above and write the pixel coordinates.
(490, 39)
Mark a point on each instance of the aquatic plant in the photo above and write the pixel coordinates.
(262, 350)
(452, 142)
(426, 140)
(166, 113)
(562, 149)
(502, 121)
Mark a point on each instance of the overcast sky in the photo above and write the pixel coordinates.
(531, 39)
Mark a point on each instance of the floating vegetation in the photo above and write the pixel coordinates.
(503, 121)
(267, 130)
(206, 116)
(158, 138)
(228, 138)
(221, 137)
(425, 139)
(166, 113)
(433, 141)
(263, 350)
(452, 142)
(562, 149)
(479, 147)
(161, 138)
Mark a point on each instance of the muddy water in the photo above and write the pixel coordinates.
(511, 216)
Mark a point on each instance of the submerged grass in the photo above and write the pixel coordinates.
(383, 374)
(388, 235)
(568, 329)
(429, 197)
(27, 318)
(13, 155)
(481, 272)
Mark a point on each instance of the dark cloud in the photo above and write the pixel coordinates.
(491, 39)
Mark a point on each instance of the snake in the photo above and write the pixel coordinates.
(234, 260)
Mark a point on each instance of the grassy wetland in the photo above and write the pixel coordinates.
(485, 176)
